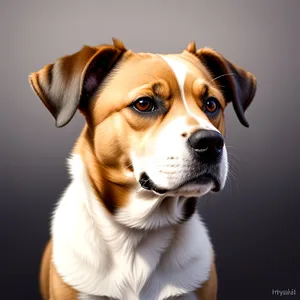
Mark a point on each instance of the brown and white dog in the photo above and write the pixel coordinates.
(127, 227)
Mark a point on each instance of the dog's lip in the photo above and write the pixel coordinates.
(147, 184)
(201, 179)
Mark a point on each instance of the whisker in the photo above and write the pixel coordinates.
(230, 146)
(229, 184)
(234, 157)
(221, 76)
(234, 168)
(129, 166)
(232, 182)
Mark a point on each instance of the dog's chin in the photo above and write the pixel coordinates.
(193, 187)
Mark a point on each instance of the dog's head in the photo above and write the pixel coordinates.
(155, 123)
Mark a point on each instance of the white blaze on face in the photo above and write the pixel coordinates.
(180, 70)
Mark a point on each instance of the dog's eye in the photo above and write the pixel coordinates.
(144, 104)
(211, 105)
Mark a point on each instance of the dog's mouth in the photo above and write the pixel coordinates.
(201, 179)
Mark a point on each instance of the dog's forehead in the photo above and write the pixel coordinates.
(141, 68)
(177, 74)
(186, 62)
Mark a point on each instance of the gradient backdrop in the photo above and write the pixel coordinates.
(254, 223)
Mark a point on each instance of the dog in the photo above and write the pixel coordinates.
(127, 225)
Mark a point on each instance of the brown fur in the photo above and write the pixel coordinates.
(51, 284)
(209, 289)
(45, 271)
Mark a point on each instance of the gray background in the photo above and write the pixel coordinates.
(253, 223)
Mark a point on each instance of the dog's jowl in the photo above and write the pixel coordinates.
(127, 227)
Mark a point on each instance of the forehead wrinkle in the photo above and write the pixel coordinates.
(145, 89)
(205, 90)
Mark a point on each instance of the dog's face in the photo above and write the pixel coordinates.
(165, 118)
(156, 121)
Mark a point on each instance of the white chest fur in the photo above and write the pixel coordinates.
(98, 256)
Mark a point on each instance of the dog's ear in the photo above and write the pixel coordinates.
(70, 81)
(237, 85)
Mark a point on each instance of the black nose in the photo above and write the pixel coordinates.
(208, 144)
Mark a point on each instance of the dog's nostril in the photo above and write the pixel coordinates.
(220, 144)
(201, 146)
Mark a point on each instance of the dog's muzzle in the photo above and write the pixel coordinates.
(205, 148)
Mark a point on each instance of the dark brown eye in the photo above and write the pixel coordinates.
(144, 104)
(211, 105)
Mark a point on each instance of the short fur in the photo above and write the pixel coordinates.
(112, 238)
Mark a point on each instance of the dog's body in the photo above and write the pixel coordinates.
(98, 257)
(126, 226)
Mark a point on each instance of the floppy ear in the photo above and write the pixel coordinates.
(237, 85)
(71, 81)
